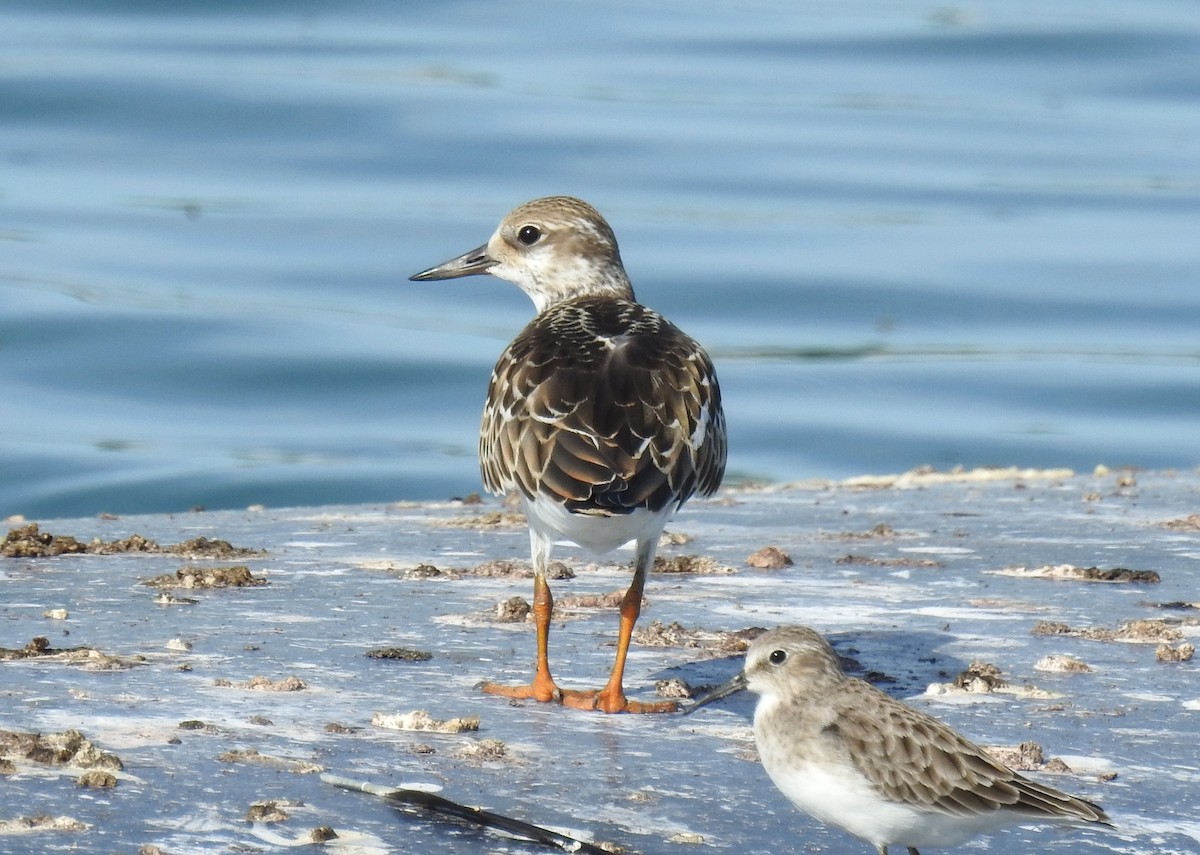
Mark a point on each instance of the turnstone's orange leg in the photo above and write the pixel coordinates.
(543, 687)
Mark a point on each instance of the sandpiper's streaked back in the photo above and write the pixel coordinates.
(601, 414)
(854, 757)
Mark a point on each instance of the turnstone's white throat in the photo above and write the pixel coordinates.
(602, 414)
(854, 757)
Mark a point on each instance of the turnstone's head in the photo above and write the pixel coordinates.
(554, 249)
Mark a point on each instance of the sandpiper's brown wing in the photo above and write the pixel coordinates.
(913, 758)
(606, 406)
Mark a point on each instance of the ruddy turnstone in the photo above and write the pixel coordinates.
(854, 757)
(603, 415)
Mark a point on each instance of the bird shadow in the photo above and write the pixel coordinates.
(900, 663)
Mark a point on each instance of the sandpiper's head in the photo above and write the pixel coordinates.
(790, 661)
(783, 663)
(554, 249)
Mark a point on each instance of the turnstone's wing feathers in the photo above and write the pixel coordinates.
(915, 759)
(605, 406)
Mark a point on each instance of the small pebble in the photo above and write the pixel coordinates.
(673, 688)
(98, 780)
(769, 558)
(1183, 653)
(322, 834)
(1061, 664)
(513, 610)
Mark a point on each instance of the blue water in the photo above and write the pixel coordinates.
(908, 234)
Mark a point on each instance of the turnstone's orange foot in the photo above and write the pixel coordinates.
(598, 701)
(602, 416)
(528, 692)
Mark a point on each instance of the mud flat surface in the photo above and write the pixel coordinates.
(184, 698)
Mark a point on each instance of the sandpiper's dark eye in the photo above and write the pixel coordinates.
(777, 657)
(529, 235)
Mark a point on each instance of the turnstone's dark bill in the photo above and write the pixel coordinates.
(853, 757)
(602, 414)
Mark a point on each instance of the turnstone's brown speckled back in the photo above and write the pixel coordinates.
(605, 406)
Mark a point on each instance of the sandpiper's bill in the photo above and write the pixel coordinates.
(854, 757)
(601, 414)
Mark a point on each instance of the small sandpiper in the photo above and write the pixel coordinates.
(853, 757)
(603, 415)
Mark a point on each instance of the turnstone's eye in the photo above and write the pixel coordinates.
(529, 235)
(777, 657)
